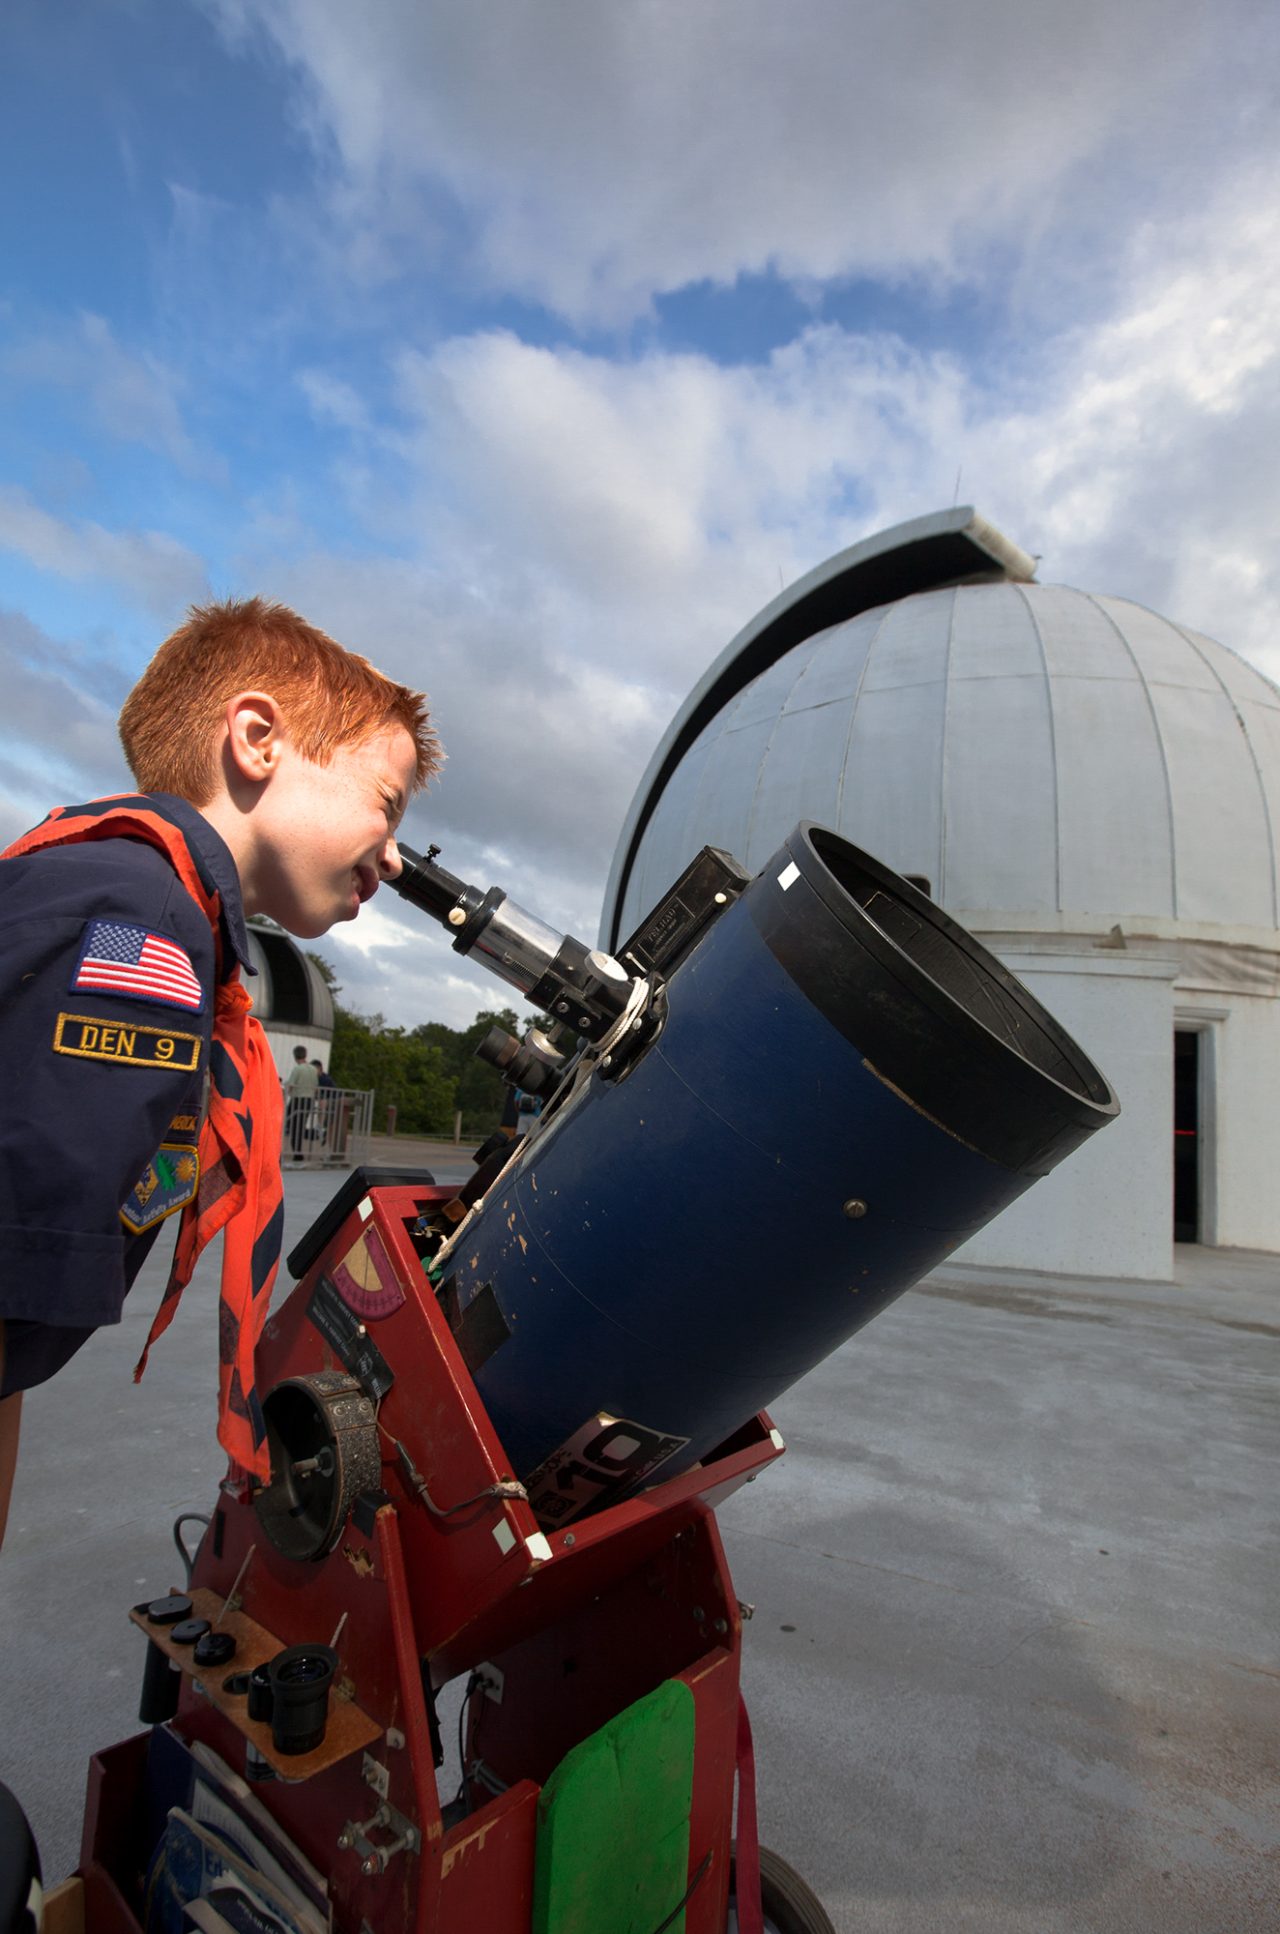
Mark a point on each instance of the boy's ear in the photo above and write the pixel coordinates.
(255, 734)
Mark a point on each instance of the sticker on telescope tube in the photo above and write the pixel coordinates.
(365, 1279)
(602, 1462)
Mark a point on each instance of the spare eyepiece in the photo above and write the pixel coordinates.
(300, 1678)
(532, 1064)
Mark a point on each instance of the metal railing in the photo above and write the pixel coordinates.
(330, 1129)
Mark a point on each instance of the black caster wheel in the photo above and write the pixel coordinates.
(789, 1904)
(20, 1895)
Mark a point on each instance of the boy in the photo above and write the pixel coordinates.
(273, 768)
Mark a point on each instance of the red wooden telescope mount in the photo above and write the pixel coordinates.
(395, 1534)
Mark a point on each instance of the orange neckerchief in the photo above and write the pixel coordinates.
(240, 1189)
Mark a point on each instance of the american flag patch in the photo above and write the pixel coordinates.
(137, 963)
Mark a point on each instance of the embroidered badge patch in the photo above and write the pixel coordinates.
(166, 1184)
(136, 963)
(89, 1036)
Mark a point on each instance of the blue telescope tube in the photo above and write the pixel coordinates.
(846, 1087)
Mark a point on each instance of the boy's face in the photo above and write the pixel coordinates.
(326, 834)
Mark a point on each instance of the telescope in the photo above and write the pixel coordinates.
(792, 1097)
(500, 1417)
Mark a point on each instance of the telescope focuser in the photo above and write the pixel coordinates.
(586, 989)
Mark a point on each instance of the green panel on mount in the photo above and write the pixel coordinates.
(613, 1823)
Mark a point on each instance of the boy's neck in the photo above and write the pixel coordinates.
(236, 833)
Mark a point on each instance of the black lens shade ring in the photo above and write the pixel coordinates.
(933, 1012)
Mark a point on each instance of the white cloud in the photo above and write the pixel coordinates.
(58, 739)
(1146, 464)
(602, 155)
(592, 533)
(134, 398)
(152, 567)
(332, 400)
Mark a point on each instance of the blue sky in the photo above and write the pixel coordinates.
(528, 347)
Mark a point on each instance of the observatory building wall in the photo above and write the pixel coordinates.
(1093, 1214)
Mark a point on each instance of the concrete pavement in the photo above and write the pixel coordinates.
(1014, 1661)
(1013, 1665)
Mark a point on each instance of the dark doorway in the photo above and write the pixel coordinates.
(1186, 1135)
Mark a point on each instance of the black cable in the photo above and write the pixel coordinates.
(188, 1517)
(506, 1487)
(686, 1896)
(464, 1792)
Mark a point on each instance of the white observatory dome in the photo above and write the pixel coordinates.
(1038, 755)
(1092, 788)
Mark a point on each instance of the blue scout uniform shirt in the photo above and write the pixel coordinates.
(101, 1093)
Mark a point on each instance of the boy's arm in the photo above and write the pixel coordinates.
(92, 1081)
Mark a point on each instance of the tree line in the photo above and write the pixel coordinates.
(427, 1073)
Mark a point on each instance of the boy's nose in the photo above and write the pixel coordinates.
(390, 864)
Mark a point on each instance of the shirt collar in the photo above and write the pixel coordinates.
(215, 866)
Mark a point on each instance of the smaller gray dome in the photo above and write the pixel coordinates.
(289, 991)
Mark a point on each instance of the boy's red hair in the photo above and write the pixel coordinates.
(330, 696)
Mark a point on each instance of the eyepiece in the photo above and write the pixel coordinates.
(300, 1680)
(429, 886)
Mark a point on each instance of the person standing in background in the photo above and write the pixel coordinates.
(299, 1094)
